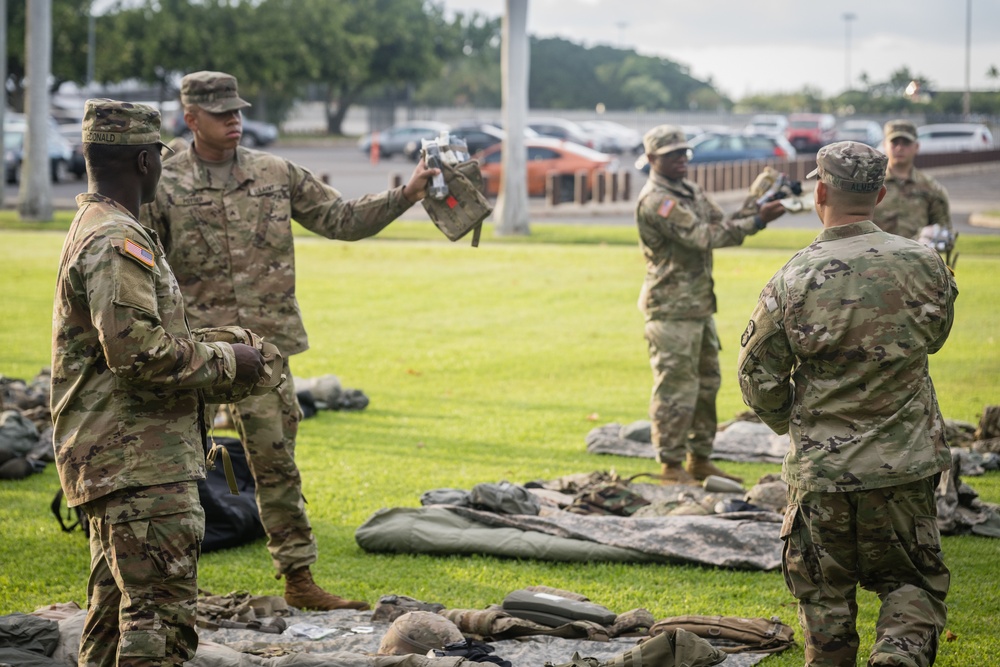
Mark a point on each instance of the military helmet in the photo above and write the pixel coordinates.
(419, 632)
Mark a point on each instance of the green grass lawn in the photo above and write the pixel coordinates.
(483, 365)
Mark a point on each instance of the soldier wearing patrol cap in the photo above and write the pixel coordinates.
(126, 375)
(679, 226)
(223, 213)
(913, 200)
(835, 355)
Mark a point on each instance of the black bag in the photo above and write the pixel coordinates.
(230, 520)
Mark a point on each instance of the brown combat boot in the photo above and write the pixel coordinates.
(302, 592)
(674, 473)
(700, 467)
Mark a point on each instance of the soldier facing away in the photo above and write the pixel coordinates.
(126, 376)
(679, 226)
(835, 355)
(913, 200)
(224, 215)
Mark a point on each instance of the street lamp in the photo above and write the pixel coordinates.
(848, 17)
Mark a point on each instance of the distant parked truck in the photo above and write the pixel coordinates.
(811, 131)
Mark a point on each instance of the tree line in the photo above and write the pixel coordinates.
(388, 53)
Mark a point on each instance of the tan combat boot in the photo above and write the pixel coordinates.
(302, 592)
(700, 467)
(674, 473)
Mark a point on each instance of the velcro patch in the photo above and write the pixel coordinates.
(141, 253)
(747, 334)
(665, 207)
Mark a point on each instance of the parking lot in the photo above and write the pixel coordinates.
(971, 188)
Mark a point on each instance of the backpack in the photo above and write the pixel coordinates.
(230, 520)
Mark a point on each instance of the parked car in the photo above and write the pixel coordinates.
(60, 152)
(954, 138)
(767, 123)
(74, 135)
(732, 146)
(559, 128)
(811, 131)
(396, 139)
(545, 155)
(256, 133)
(865, 131)
(610, 137)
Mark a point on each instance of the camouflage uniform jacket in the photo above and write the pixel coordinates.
(835, 354)
(910, 204)
(125, 372)
(231, 246)
(678, 228)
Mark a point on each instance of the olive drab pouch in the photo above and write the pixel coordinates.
(733, 634)
(613, 498)
(464, 208)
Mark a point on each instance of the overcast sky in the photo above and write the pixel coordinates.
(781, 45)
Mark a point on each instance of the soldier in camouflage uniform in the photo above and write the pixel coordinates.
(913, 200)
(835, 355)
(125, 402)
(679, 226)
(224, 215)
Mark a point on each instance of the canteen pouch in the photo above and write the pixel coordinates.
(465, 207)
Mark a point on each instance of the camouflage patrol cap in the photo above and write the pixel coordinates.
(120, 123)
(900, 128)
(850, 166)
(664, 139)
(419, 632)
(212, 91)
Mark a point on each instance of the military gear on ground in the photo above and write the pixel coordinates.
(677, 648)
(473, 651)
(419, 632)
(700, 468)
(733, 634)
(554, 610)
(390, 607)
(302, 592)
(505, 498)
(719, 484)
(230, 519)
(674, 473)
(273, 360)
(215, 92)
(240, 610)
(613, 498)
(464, 207)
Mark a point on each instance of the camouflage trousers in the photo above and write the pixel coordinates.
(144, 549)
(267, 426)
(887, 541)
(684, 356)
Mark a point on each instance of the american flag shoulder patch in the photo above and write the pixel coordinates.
(141, 253)
(666, 206)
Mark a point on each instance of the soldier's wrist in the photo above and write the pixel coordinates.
(758, 222)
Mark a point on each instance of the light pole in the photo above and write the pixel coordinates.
(967, 96)
(848, 17)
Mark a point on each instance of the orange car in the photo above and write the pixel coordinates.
(546, 155)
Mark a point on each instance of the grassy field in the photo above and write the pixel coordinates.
(483, 365)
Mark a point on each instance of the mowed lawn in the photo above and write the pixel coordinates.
(488, 364)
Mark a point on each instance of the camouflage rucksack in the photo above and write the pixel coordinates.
(611, 498)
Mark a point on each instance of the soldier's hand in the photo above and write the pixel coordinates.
(416, 188)
(772, 210)
(249, 364)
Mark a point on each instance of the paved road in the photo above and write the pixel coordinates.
(973, 188)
